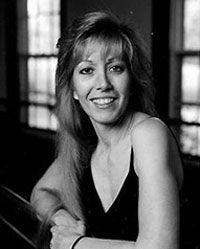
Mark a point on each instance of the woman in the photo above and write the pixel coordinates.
(115, 182)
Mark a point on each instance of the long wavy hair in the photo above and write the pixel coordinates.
(76, 136)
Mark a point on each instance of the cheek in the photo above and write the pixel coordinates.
(125, 86)
(77, 88)
(80, 87)
(80, 93)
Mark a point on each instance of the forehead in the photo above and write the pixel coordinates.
(106, 49)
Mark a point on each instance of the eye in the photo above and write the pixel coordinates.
(87, 70)
(117, 68)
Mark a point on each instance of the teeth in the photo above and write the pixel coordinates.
(103, 101)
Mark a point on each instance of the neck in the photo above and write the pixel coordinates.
(109, 135)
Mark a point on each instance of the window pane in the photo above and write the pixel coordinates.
(191, 24)
(48, 6)
(43, 26)
(190, 79)
(41, 74)
(190, 113)
(190, 139)
(37, 75)
(41, 117)
(43, 34)
(37, 7)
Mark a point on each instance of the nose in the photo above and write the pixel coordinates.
(103, 82)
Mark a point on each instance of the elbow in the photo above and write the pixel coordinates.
(45, 201)
(33, 196)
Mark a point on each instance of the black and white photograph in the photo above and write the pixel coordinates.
(100, 124)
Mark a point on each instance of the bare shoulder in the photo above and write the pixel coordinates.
(155, 147)
(151, 134)
(146, 127)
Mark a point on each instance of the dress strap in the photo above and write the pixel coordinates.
(132, 165)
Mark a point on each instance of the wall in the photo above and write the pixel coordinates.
(2, 52)
(135, 11)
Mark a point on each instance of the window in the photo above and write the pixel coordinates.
(39, 29)
(185, 73)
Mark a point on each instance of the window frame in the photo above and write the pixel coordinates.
(24, 55)
(176, 55)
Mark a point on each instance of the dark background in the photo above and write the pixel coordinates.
(26, 153)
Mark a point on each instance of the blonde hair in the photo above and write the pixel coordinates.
(76, 136)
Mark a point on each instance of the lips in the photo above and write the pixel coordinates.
(103, 101)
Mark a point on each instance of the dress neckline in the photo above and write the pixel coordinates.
(121, 189)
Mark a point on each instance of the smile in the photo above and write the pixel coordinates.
(103, 102)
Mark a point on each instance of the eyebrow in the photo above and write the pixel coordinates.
(109, 60)
(115, 58)
(84, 61)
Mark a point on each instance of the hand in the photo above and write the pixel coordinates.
(64, 236)
(65, 229)
(62, 217)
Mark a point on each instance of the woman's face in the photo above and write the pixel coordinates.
(101, 82)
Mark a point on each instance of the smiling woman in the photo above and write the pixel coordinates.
(113, 184)
(102, 83)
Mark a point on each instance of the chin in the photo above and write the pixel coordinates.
(109, 120)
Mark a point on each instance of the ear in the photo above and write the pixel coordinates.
(75, 96)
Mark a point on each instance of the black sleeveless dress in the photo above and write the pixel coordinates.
(121, 219)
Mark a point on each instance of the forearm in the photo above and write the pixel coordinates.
(95, 243)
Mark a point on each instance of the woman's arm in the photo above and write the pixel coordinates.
(45, 199)
(159, 169)
(44, 195)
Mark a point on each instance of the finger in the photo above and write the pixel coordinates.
(54, 229)
(81, 227)
(65, 229)
(78, 229)
(57, 231)
(65, 214)
(51, 245)
(62, 217)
